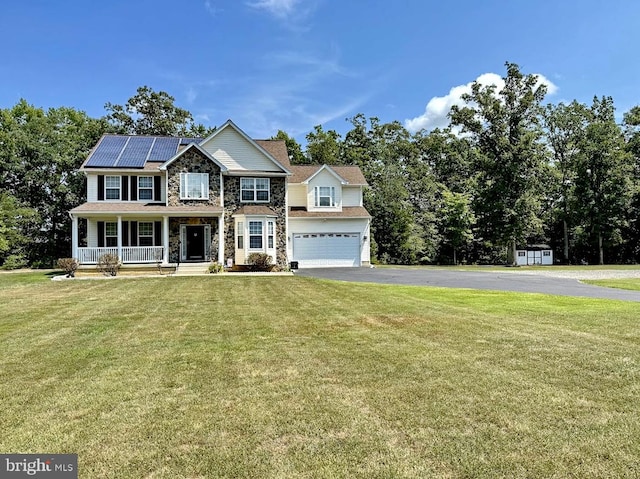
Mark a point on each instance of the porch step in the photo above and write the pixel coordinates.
(192, 269)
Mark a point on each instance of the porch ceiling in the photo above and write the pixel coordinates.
(155, 209)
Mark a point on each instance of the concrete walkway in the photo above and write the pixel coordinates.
(527, 281)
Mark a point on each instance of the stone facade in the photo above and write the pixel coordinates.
(193, 161)
(277, 203)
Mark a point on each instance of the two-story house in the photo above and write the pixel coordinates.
(174, 200)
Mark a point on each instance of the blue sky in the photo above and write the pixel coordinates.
(292, 64)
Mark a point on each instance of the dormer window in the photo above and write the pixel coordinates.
(325, 196)
(254, 190)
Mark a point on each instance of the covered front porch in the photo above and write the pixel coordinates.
(147, 239)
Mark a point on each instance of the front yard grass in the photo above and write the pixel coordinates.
(193, 377)
(628, 283)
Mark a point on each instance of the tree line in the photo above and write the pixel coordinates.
(509, 170)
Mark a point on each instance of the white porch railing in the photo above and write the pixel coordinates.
(129, 254)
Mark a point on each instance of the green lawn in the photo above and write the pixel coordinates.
(277, 377)
(629, 283)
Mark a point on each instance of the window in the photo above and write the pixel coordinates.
(255, 234)
(325, 196)
(254, 189)
(522, 253)
(270, 234)
(546, 253)
(194, 186)
(145, 234)
(145, 187)
(240, 235)
(111, 234)
(112, 187)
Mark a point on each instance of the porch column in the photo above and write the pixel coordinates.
(74, 236)
(221, 239)
(120, 238)
(165, 239)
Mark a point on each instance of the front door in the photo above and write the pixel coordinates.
(194, 236)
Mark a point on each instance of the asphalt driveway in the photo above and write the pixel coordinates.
(491, 280)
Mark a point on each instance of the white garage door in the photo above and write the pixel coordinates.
(326, 249)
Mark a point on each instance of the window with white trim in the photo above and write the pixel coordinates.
(254, 190)
(325, 196)
(255, 234)
(145, 234)
(194, 186)
(145, 187)
(270, 234)
(240, 235)
(111, 234)
(112, 187)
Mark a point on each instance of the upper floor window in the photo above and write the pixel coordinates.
(145, 187)
(325, 196)
(194, 186)
(112, 187)
(254, 189)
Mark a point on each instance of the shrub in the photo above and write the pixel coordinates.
(215, 268)
(259, 262)
(14, 261)
(109, 264)
(69, 266)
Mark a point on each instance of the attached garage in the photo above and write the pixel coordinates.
(316, 250)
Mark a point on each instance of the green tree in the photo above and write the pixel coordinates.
(504, 125)
(296, 156)
(40, 154)
(14, 221)
(565, 127)
(603, 178)
(323, 147)
(457, 221)
(153, 113)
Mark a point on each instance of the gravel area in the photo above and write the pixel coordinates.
(576, 274)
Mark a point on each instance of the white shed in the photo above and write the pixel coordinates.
(535, 254)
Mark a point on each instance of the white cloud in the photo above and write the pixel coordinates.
(211, 8)
(437, 110)
(277, 8)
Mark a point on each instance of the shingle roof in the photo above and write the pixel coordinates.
(255, 210)
(351, 174)
(347, 212)
(118, 207)
(277, 149)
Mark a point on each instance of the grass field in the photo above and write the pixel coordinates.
(263, 377)
(631, 283)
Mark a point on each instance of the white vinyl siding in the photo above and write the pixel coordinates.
(236, 153)
(194, 186)
(92, 187)
(351, 196)
(297, 195)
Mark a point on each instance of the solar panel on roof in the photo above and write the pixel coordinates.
(188, 141)
(164, 149)
(135, 152)
(107, 151)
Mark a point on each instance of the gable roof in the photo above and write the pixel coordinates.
(197, 147)
(352, 175)
(260, 148)
(277, 149)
